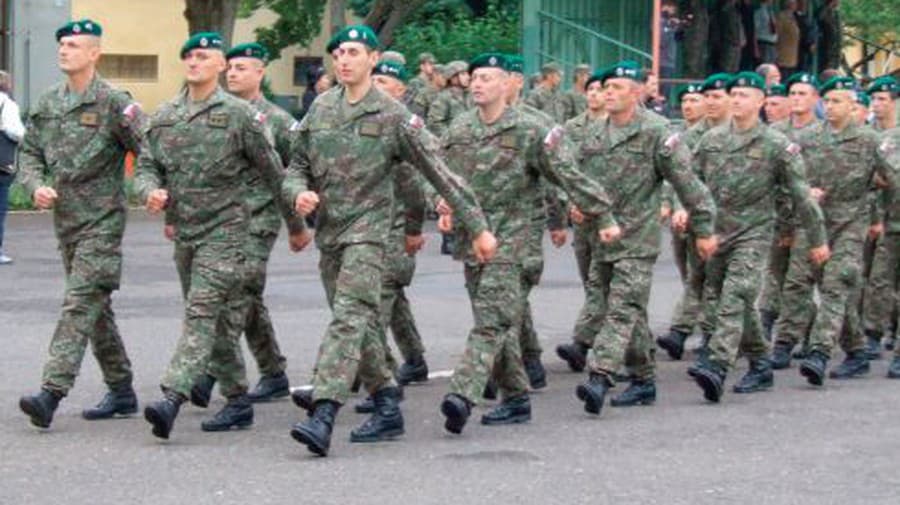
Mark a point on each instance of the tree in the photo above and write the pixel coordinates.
(875, 20)
(386, 15)
(299, 22)
(212, 16)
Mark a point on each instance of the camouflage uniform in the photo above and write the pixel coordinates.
(208, 155)
(77, 144)
(632, 161)
(549, 102)
(348, 154)
(574, 103)
(449, 103)
(745, 171)
(503, 162)
(889, 151)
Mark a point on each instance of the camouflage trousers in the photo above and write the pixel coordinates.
(532, 269)
(492, 347)
(618, 293)
(93, 267)
(880, 298)
(585, 245)
(733, 281)
(836, 318)
(353, 343)
(395, 310)
(891, 262)
(213, 275)
(688, 314)
(773, 284)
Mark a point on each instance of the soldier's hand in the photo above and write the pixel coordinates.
(169, 231)
(664, 212)
(817, 194)
(414, 244)
(157, 200)
(819, 255)
(680, 221)
(443, 208)
(880, 182)
(445, 223)
(575, 215)
(44, 197)
(876, 230)
(298, 241)
(485, 246)
(786, 242)
(706, 247)
(559, 237)
(610, 234)
(306, 203)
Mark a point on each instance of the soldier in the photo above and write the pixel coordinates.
(450, 102)
(344, 162)
(841, 169)
(502, 153)
(246, 71)
(631, 153)
(689, 310)
(792, 324)
(426, 73)
(546, 96)
(861, 111)
(575, 101)
(889, 150)
(204, 150)
(777, 107)
(746, 164)
(71, 161)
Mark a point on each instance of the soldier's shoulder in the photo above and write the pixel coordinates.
(774, 136)
(48, 98)
(536, 114)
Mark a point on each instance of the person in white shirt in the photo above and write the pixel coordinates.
(10, 126)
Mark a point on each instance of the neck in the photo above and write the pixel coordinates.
(254, 94)
(718, 122)
(491, 112)
(202, 90)
(801, 119)
(79, 81)
(624, 117)
(595, 113)
(839, 125)
(746, 123)
(690, 123)
(358, 91)
(886, 123)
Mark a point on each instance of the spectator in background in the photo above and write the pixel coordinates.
(671, 33)
(770, 73)
(748, 54)
(809, 32)
(787, 48)
(831, 31)
(653, 99)
(766, 35)
(317, 82)
(726, 37)
(12, 128)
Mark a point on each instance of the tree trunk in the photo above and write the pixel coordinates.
(336, 11)
(212, 16)
(386, 15)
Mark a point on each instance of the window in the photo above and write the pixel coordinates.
(129, 67)
(302, 66)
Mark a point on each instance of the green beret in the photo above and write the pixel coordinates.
(885, 83)
(492, 60)
(423, 57)
(248, 50)
(626, 69)
(515, 63)
(391, 68)
(203, 40)
(838, 82)
(80, 27)
(747, 80)
(863, 99)
(776, 90)
(689, 89)
(353, 33)
(802, 78)
(715, 81)
(596, 76)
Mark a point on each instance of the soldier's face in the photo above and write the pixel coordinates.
(621, 94)
(718, 104)
(244, 75)
(76, 53)
(594, 95)
(389, 85)
(861, 113)
(427, 68)
(693, 107)
(746, 102)
(883, 106)
(353, 62)
(839, 105)
(464, 79)
(203, 65)
(777, 108)
(488, 85)
(803, 98)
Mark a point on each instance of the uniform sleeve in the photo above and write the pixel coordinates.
(674, 159)
(298, 176)
(792, 177)
(149, 173)
(555, 207)
(32, 166)
(130, 123)
(420, 149)
(438, 116)
(410, 191)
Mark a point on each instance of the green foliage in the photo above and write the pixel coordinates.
(876, 20)
(298, 22)
(18, 198)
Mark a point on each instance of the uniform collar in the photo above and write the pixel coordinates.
(215, 99)
(739, 140)
(88, 97)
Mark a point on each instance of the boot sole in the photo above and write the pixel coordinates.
(199, 401)
(811, 376)
(32, 412)
(159, 427)
(590, 402)
(642, 402)
(455, 421)
(240, 425)
(312, 445)
(575, 364)
(124, 413)
(381, 437)
(711, 391)
(359, 409)
(674, 351)
(519, 419)
(540, 384)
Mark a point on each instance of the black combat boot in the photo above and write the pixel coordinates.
(593, 392)
(702, 352)
(510, 411)
(237, 413)
(202, 390)
(270, 387)
(768, 318)
(162, 414)
(118, 400)
(890, 342)
(637, 393)
(894, 369)
(781, 355)
(813, 368)
(457, 411)
(367, 406)
(873, 344)
(414, 369)
(803, 351)
(386, 421)
(855, 364)
(315, 432)
(711, 379)
(673, 343)
(303, 398)
(40, 407)
(758, 378)
(575, 354)
(537, 376)
(490, 389)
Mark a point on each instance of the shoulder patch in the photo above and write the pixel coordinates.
(259, 117)
(673, 141)
(794, 148)
(416, 122)
(294, 126)
(131, 110)
(553, 138)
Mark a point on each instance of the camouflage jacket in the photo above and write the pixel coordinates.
(574, 103)
(550, 102)
(448, 104)
(745, 171)
(578, 129)
(78, 147)
(632, 162)
(786, 219)
(889, 152)
(207, 158)
(550, 207)
(503, 163)
(351, 162)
